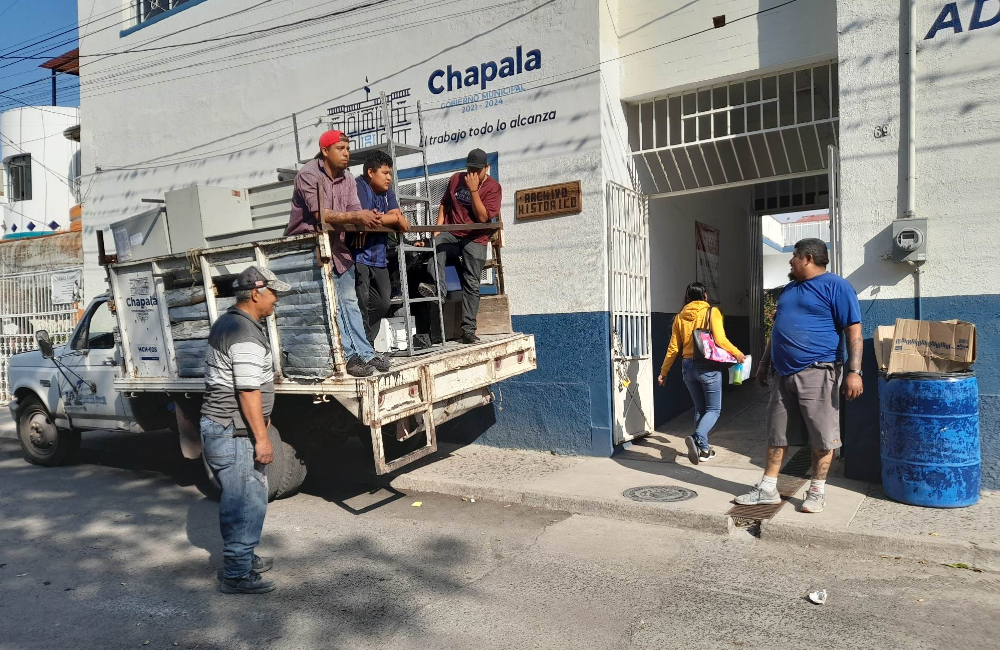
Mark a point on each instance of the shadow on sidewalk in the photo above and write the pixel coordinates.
(739, 438)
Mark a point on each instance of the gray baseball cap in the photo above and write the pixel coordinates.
(254, 277)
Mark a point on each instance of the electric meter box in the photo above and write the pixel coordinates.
(909, 240)
(142, 236)
(203, 217)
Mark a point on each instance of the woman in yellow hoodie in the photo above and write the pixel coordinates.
(703, 381)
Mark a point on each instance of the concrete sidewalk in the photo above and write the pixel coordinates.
(858, 515)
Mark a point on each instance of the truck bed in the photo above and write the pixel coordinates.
(165, 307)
(454, 369)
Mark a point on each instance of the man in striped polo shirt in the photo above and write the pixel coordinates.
(239, 396)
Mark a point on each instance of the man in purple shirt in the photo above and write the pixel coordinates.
(325, 192)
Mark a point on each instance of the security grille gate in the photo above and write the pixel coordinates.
(736, 133)
(26, 306)
(629, 301)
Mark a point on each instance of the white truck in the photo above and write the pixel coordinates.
(135, 360)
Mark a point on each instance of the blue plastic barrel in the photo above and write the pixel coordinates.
(930, 438)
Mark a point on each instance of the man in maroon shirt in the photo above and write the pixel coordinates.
(325, 191)
(473, 196)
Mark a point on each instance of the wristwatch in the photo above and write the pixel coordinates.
(857, 372)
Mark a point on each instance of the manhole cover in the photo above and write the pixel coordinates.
(660, 493)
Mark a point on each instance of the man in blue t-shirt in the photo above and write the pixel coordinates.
(814, 310)
(372, 276)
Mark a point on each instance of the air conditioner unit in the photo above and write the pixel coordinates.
(201, 216)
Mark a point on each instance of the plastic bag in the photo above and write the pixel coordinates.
(740, 372)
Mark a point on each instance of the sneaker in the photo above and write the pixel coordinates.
(759, 496)
(427, 290)
(380, 363)
(706, 455)
(814, 501)
(262, 564)
(469, 338)
(694, 454)
(251, 583)
(358, 368)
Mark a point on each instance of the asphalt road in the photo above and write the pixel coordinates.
(123, 549)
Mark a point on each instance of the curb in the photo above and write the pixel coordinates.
(982, 556)
(607, 508)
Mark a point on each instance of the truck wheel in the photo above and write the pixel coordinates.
(294, 472)
(41, 441)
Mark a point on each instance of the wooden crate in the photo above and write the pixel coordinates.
(493, 318)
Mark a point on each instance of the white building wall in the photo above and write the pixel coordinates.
(957, 119)
(775, 268)
(54, 164)
(614, 128)
(799, 33)
(220, 114)
(223, 117)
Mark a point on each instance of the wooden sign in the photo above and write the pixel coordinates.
(549, 201)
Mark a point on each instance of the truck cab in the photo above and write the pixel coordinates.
(62, 390)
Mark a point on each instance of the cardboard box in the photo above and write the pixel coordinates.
(883, 345)
(925, 346)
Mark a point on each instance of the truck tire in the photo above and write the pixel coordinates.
(294, 473)
(42, 442)
(275, 470)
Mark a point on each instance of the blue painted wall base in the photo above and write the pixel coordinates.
(564, 406)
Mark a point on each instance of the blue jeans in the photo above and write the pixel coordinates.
(244, 495)
(705, 385)
(352, 326)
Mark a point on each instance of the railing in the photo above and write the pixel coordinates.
(26, 306)
(793, 232)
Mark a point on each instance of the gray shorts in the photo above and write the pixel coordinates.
(804, 408)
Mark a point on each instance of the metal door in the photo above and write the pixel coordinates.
(755, 272)
(629, 303)
(836, 234)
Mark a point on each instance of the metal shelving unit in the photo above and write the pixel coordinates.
(397, 150)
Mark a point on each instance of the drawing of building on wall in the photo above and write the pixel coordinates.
(364, 123)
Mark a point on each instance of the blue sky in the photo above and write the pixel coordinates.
(22, 22)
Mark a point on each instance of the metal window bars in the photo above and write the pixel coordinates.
(147, 9)
(736, 133)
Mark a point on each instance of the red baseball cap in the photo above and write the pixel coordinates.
(331, 138)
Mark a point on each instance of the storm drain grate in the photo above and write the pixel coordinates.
(792, 476)
(660, 493)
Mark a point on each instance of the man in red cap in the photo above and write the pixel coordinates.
(325, 179)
